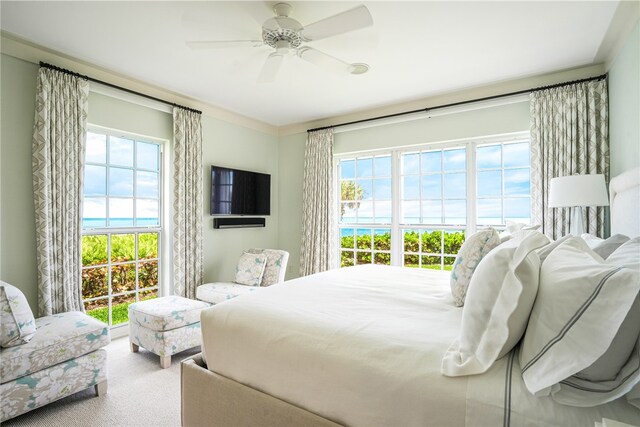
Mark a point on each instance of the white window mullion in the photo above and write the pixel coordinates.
(396, 232)
(471, 189)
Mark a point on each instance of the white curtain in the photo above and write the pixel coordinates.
(318, 215)
(569, 135)
(58, 166)
(187, 202)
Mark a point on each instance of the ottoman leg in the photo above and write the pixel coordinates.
(101, 388)
(134, 347)
(165, 362)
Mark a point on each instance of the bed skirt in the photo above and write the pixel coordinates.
(211, 399)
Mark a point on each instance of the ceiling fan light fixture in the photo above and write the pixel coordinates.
(358, 68)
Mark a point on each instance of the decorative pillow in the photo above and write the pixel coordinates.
(274, 268)
(500, 297)
(472, 251)
(608, 246)
(17, 324)
(582, 301)
(250, 269)
(627, 255)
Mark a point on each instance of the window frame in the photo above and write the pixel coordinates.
(397, 227)
(108, 231)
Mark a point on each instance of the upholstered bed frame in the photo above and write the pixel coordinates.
(212, 399)
(624, 196)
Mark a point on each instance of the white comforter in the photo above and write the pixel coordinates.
(363, 346)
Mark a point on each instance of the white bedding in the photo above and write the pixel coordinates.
(363, 346)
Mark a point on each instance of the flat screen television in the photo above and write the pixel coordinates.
(239, 192)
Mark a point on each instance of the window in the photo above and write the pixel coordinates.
(121, 223)
(503, 183)
(434, 205)
(414, 207)
(365, 210)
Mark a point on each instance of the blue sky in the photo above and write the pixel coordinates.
(433, 186)
(117, 178)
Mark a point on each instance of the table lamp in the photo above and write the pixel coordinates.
(576, 191)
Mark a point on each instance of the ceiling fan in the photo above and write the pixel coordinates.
(288, 37)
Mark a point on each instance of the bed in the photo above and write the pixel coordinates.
(366, 350)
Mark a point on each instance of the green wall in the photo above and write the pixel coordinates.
(17, 221)
(223, 144)
(229, 145)
(624, 106)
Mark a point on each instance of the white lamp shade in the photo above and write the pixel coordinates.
(578, 190)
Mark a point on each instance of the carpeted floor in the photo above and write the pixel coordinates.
(140, 394)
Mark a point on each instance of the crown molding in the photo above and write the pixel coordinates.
(625, 18)
(17, 47)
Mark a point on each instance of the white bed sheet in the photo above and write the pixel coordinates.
(363, 346)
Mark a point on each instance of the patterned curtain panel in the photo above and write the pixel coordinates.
(187, 202)
(58, 166)
(318, 215)
(569, 135)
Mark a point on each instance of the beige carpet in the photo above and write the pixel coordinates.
(140, 394)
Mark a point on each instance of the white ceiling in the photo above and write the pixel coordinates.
(415, 49)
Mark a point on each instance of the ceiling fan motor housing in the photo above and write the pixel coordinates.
(282, 28)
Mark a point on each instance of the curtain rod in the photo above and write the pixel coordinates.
(455, 104)
(124, 89)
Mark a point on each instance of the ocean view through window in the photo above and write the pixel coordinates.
(414, 207)
(121, 223)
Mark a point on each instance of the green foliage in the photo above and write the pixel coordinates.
(431, 243)
(94, 249)
(123, 276)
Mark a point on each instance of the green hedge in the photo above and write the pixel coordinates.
(431, 243)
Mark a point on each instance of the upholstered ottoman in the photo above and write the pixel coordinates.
(165, 326)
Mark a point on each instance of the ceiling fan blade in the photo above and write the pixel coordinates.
(215, 44)
(350, 20)
(324, 60)
(270, 68)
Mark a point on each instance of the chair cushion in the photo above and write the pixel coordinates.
(17, 324)
(250, 269)
(276, 265)
(59, 338)
(216, 293)
(166, 313)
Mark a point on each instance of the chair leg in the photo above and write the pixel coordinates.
(101, 388)
(165, 362)
(134, 347)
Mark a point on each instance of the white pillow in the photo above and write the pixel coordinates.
(591, 240)
(472, 251)
(544, 251)
(633, 396)
(581, 303)
(608, 366)
(250, 269)
(608, 246)
(513, 227)
(17, 324)
(499, 300)
(627, 255)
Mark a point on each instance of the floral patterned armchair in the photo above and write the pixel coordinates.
(256, 268)
(46, 359)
